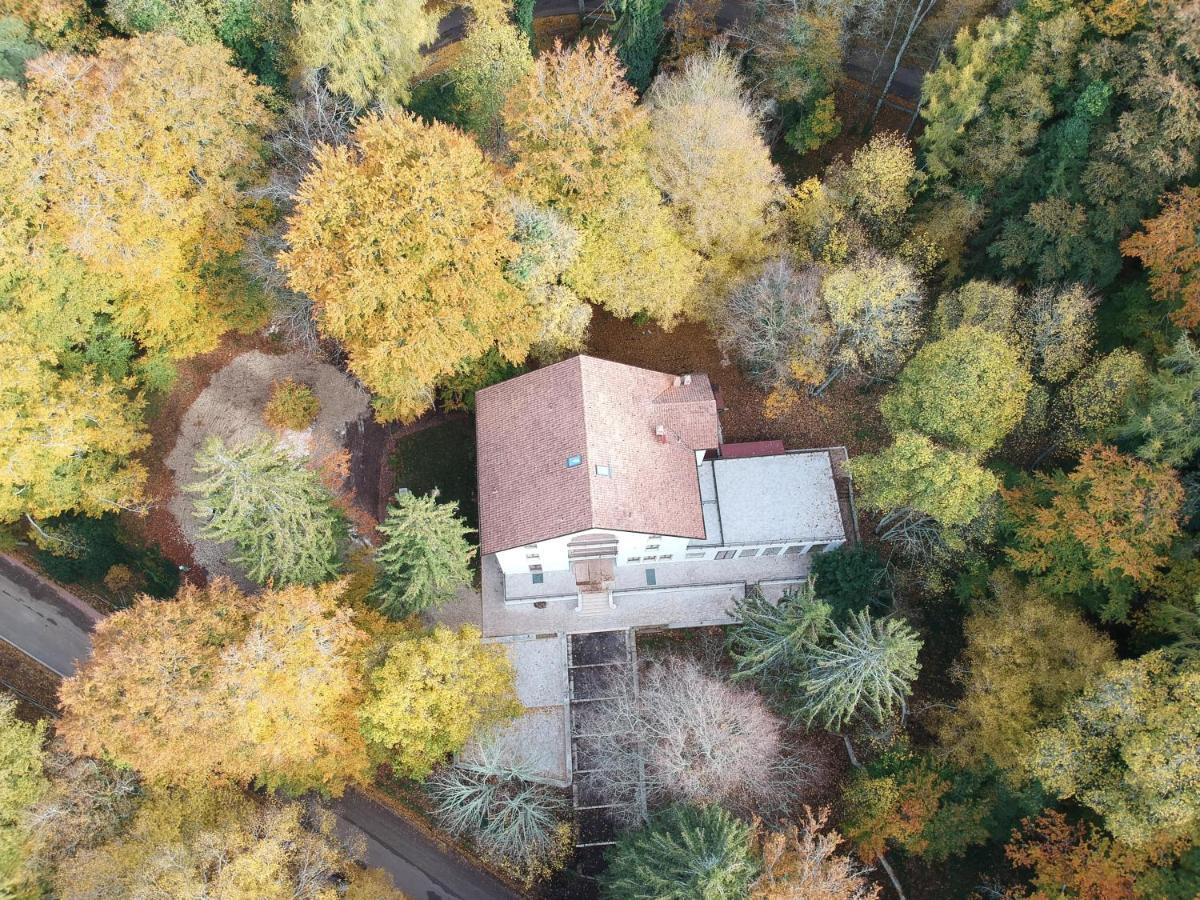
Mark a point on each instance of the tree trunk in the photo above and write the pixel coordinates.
(920, 11)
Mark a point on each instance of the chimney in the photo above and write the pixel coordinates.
(687, 379)
(660, 434)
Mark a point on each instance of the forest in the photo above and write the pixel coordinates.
(987, 291)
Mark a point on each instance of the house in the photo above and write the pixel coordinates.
(601, 483)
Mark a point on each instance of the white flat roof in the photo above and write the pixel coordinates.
(787, 498)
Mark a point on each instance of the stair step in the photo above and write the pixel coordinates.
(593, 604)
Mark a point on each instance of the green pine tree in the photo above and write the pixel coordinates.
(425, 556)
(685, 853)
(276, 513)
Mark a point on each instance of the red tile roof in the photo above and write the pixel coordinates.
(752, 448)
(606, 413)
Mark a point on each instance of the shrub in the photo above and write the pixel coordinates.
(491, 797)
(292, 405)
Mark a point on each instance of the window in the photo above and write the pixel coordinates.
(793, 550)
(771, 551)
(538, 578)
(696, 555)
(536, 568)
(817, 548)
(531, 555)
(652, 546)
(651, 578)
(603, 471)
(653, 537)
(634, 559)
(726, 554)
(752, 551)
(665, 556)
(649, 558)
(574, 462)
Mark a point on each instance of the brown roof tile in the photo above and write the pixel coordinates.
(607, 413)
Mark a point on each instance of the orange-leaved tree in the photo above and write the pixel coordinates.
(402, 239)
(1099, 533)
(1169, 247)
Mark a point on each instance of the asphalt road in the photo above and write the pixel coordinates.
(55, 629)
(41, 621)
(419, 866)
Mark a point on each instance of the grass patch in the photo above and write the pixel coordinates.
(441, 457)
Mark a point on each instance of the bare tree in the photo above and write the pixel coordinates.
(683, 735)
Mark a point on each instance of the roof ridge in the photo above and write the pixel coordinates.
(587, 437)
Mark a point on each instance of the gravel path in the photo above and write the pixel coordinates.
(232, 407)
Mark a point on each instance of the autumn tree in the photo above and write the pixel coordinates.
(431, 693)
(255, 31)
(216, 685)
(924, 491)
(222, 844)
(1074, 857)
(966, 391)
(370, 51)
(708, 156)
(1054, 125)
(145, 151)
(493, 57)
(278, 515)
(1094, 404)
(22, 783)
(578, 141)
(803, 861)
(1099, 533)
(796, 51)
(685, 851)
(548, 245)
(778, 327)
(402, 240)
(425, 555)
(493, 796)
(56, 24)
(1026, 657)
(713, 742)
(1164, 423)
(1168, 247)
(1129, 748)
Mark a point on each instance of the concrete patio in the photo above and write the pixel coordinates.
(686, 594)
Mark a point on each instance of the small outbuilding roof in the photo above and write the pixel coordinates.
(588, 443)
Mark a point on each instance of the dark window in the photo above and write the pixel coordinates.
(793, 550)
(726, 554)
(535, 568)
(665, 556)
(753, 551)
(538, 578)
(652, 546)
(650, 577)
(817, 548)
(771, 551)
(635, 559)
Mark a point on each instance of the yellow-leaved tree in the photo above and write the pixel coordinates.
(219, 686)
(432, 693)
(402, 240)
(707, 154)
(144, 150)
(579, 145)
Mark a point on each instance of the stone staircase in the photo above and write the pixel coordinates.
(594, 603)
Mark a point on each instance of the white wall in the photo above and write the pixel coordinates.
(551, 555)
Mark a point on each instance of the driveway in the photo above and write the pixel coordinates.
(421, 868)
(42, 621)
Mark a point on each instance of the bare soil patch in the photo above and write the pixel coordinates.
(231, 407)
(33, 685)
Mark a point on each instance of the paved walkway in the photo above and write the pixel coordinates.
(42, 621)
